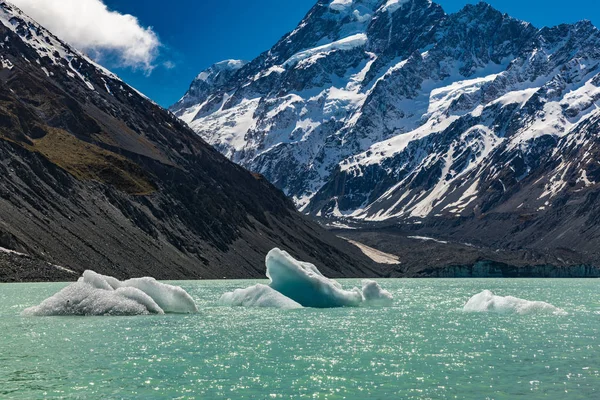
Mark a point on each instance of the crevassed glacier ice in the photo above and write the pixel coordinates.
(258, 296)
(304, 283)
(95, 294)
(374, 295)
(487, 301)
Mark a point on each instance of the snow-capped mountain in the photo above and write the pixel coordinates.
(94, 175)
(207, 82)
(379, 110)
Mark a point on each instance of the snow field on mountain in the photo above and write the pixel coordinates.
(381, 109)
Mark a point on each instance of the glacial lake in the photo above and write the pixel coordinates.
(423, 347)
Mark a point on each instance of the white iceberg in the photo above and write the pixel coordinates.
(374, 295)
(95, 294)
(304, 283)
(486, 301)
(258, 296)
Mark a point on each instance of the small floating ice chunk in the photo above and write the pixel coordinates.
(374, 295)
(486, 301)
(258, 296)
(303, 283)
(95, 294)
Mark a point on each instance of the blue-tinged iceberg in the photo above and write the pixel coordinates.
(304, 283)
(297, 284)
(258, 296)
(95, 294)
(487, 301)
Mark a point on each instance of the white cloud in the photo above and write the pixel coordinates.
(90, 26)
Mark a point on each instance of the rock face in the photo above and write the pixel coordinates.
(95, 175)
(473, 126)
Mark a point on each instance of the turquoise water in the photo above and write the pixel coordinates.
(423, 347)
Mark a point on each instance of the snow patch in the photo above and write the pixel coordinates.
(6, 63)
(340, 5)
(64, 269)
(80, 75)
(348, 43)
(393, 5)
(8, 251)
(426, 239)
(584, 178)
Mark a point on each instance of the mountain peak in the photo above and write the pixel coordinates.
(211, 73)
(586, 25)
(482, 9)
(392, 6)
(211, 79)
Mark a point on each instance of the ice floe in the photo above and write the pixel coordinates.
(303, 284)
(95, 294)
(487, 301)
(258, 296)
(374, 295)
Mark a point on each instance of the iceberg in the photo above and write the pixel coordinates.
(95, 294)
(304, 283)
(374, 295)
(487, 301)
(171, 299)
(297, 284)
(258, 296)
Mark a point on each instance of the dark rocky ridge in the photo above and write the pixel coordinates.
(96, 176)
(23, 268)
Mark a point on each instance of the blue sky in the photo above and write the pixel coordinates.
(197, 33)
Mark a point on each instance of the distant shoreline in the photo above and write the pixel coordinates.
(21, 268)
(482, 270)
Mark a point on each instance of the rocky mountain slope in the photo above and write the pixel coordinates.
(473, 127)
(96, 176)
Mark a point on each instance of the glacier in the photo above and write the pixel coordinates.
(487, 301)
(258, 296)
(94, 295)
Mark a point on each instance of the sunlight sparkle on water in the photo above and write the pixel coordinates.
(424, 346)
